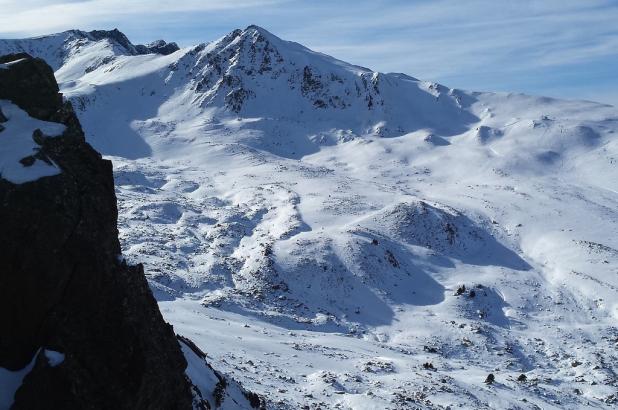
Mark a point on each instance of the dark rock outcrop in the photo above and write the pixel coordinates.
(115, 35)
(157, 47)
(63, 285)
(31, 86)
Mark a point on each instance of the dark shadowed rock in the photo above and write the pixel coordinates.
(30, 84)
(157, 47)
(63, 285)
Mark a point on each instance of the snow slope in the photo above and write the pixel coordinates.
(312, 224)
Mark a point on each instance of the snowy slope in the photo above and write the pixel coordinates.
(310, 223)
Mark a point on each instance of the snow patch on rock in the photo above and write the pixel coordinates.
(21, 136)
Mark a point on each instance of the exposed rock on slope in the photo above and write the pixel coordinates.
(117, 37)
(68, 304)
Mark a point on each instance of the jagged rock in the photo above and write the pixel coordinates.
(157, 47)
(63, 287)
(30, 84)
(115, 35)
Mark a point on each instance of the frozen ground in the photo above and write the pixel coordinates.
(338, 238)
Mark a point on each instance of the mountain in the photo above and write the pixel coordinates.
(333, 236)
(80, 326)
(60, 48)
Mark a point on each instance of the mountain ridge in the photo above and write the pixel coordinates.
(244, 71)
(67, 42)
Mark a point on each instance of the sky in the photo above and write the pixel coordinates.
(558, 48)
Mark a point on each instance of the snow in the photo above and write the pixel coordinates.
(203, 377)
(10, 382)
(54, 358)
(315, 249)
(18, 143)
(6, 66)
(212, 386)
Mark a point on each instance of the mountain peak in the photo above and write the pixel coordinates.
(253, 34)
(114, 35)
(254, 27)
(251, 72)
(257, 30)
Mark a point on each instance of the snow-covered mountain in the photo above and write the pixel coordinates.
(323, 231)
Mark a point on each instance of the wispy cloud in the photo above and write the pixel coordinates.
(526, 45)
(447, 36)
(41, 16)
(481, 44)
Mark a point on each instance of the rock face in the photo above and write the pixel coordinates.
(156, 47)
(63, 286)
(31, 86)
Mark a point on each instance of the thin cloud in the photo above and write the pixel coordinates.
(472, 44)
(41, 16)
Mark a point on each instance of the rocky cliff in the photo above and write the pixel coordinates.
(70, 307)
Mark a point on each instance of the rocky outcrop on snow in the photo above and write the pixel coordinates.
(117, 37)
(78, 324)
(157, 47)
(252, 72)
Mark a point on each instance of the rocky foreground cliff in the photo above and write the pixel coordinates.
(78, 326)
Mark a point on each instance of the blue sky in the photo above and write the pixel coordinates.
(560, 48)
